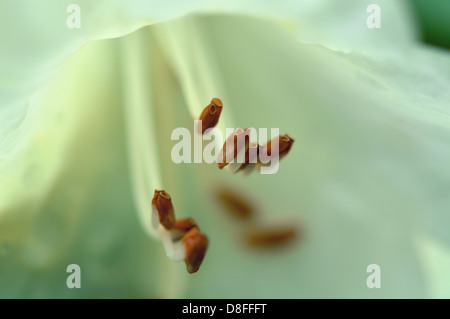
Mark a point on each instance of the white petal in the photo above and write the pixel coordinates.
(68, 198)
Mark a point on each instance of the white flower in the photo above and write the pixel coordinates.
(367, 176)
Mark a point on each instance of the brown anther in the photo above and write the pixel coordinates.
(278, 146)
(271, 237)
(237, 141)
(284, 143)
(196, 245)
(163, 205)
(234, 203)
(181, 227)
(210, 115)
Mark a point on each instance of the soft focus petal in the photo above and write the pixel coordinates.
(83, 213)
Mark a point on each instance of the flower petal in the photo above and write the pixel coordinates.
(68, 200)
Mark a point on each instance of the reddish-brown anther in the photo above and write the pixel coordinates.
(210, 115)
(196, 245)
(284, 145)
(163, 205)
(238, 140)
(235, 203)
(181, 227)
(271, 237)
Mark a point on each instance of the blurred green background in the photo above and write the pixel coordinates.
(434, 19)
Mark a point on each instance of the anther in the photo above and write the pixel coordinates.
(276, 147)
(181, 227)
(162, 202)
(195, 244)
(271, 237)
(234, 203)
(236, 143)
(210, 115)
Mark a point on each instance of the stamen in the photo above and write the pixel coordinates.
(278, 146)
(284, 145)
(195, 244)
(236, 143)
(181, 227)
(162, 202)
(271, 237)
(235, 204)
(210, 115)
